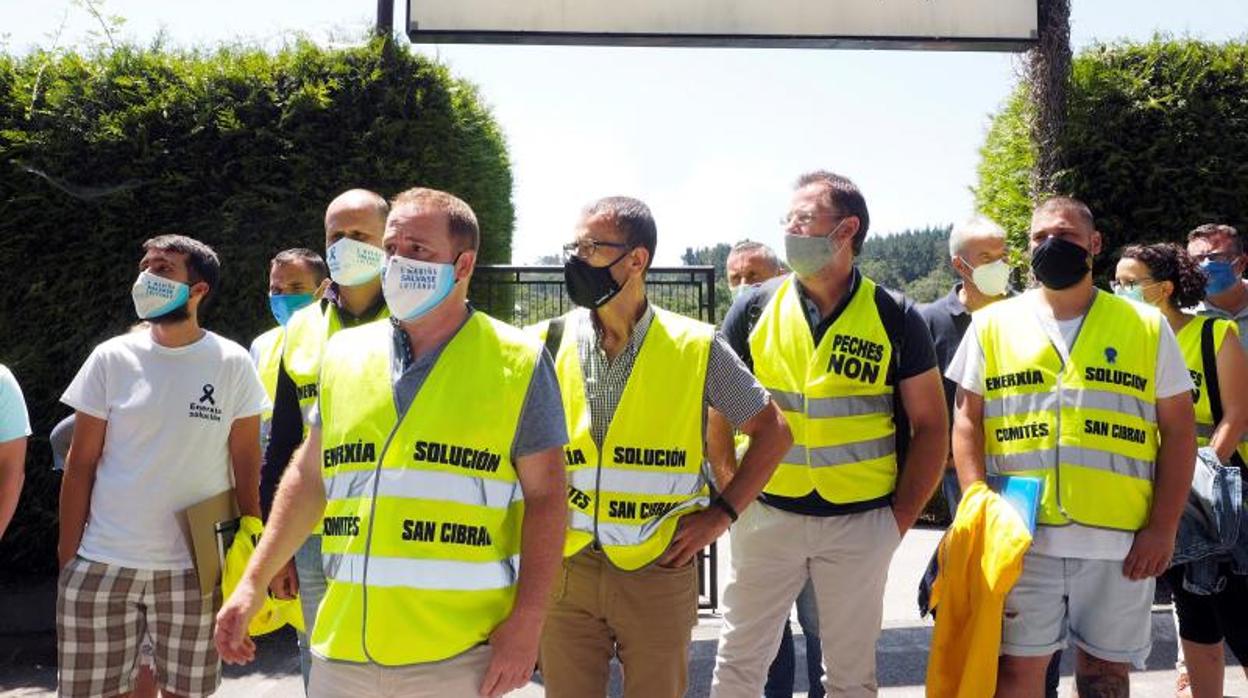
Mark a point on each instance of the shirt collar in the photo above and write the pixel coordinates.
(953, 302)
(635, 339)
(333, 294)
(812, 310)
(403, 349)
(1205, 308)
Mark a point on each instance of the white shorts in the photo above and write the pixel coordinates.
(1108, 615)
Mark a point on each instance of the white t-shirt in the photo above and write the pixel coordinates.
(169, 414)
(1172, 377)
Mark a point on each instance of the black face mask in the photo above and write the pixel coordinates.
(589, 286)
(1060, 264)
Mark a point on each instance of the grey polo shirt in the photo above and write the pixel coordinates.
(1240, 319)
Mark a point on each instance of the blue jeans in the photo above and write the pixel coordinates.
(953, 492)
(780, 675)
(311, 591)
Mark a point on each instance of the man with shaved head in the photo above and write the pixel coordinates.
(354, 224)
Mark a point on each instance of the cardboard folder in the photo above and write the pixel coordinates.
(209, 528)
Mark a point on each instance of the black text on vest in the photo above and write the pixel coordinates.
(1010, 380)
(1121, 432)
(856, 358)
(305, 392)
(340, 526)
(668, 458)
(1114, 377)
(423, 531)
(358, 452)
(578, 499)
(639, 510)
(459, 456)
(1198, 378)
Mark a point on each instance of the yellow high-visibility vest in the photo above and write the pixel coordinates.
(1189, 343)
(270, 360)
(836, 397)
(306, 333)
(421, 533)
(650, 471)
(1087, 426)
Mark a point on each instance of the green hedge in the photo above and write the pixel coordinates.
(1156, 143)
(237, 147)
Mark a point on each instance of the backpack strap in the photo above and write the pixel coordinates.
(554, 334)
(1209, 361)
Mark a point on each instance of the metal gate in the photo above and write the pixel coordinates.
(525, 295)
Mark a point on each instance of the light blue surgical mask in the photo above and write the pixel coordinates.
(1221, 275)
(412, 288)
(284, 305)
(1131, 293)
(155, 295)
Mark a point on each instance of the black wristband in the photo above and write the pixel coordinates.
(725, 506)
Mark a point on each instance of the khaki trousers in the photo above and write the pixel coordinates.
(457, 677)
(773, 553)
(644, 617)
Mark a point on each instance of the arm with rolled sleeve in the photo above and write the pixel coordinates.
(14, 428)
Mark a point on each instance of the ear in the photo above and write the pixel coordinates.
(960, 267)
(199, 289)
(320, 290)
(849, 228)
(1095, 246)
(464, 264)
(639, 259)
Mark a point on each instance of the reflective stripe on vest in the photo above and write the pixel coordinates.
(306, 334)
(269, 363)
(1189, 343)
(836, 397)
(650, 471)
(421, 533)
(1087, 425)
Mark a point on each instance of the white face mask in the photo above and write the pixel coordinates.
(353, 263)
(992, 279)
(413, 288)
(155, 295)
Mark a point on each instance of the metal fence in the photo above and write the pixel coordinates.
(526, 295)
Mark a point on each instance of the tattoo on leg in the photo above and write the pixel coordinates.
(1099, 684)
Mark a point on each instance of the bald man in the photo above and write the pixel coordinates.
(354, 224)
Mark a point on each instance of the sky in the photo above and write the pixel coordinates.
(711, 139)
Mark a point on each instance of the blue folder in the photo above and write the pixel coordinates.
(1023, 493)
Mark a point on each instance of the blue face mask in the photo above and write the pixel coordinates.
(1221, 275)
(285, 305)
(1131, 293)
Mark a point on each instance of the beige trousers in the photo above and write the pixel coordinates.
(773, 553)
(457, 677)
(644, 617)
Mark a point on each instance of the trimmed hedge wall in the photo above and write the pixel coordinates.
(1156, 143)
(239, 148)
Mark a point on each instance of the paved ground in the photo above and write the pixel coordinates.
(27, 661)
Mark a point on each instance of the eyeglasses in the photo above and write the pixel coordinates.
(586, 247)
(1138, 283)
(1227, 257)
(805, 218)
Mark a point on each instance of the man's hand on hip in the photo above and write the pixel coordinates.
(693, 533)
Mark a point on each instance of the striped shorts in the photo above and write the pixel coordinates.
(102, 613)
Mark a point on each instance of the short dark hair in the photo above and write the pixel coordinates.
(459, 215)
(631, 217)
(306, 257)
(1167, 261)
(202, 263)
(844, 196)
(1067, 203)
(1209, 230)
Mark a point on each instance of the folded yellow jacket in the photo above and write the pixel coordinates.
(981, 556)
